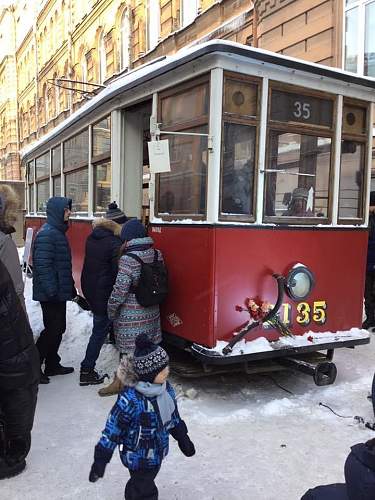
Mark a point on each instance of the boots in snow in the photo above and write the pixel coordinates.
(58, 370)
(91, 377)
(115, 387)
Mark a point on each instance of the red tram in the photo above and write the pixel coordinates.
(267, 193)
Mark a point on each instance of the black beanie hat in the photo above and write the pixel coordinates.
(149, 358)
(115, 213)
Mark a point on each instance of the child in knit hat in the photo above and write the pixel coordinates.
(140, 422)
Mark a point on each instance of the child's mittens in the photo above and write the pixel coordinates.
(180, 434)
(186, 446)
(101, 457)
(97, 471)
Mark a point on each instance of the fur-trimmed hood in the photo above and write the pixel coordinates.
(107, 224)
(125, 372)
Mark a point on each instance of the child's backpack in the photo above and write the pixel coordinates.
(152, 287)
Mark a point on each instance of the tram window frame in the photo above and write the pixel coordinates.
(246, 120)
(100, 159)
(302, 129)
(200, 123)
(41, 180)
(56, 174)
(361, 138)
(31, 185)
(77, 167)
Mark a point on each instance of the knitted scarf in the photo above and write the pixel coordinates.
(165, 402)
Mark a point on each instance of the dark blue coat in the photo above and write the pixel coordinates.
(100, 265)
(371, 243)
(52, 260)
(359, 477)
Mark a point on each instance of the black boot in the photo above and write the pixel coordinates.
(43, 378)
(369, 323)
(91, 377)
(58, 370)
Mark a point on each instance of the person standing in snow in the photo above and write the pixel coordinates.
(97, 280)
(370, 269)
(19, 377)
(8, 250)
(129, 317)
(140, 422)
(53, 284)
(359, 477)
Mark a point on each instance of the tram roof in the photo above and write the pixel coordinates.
(162, 65)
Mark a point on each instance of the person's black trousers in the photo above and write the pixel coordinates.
(141, 485)
(17, 410)
(54, 319)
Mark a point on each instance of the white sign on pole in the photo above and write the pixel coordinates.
(158, 154)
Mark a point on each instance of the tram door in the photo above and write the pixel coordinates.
(136, 164)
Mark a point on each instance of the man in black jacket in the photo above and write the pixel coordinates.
(19, 377)
(97, 280)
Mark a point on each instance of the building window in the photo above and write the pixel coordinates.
(359, 53)
(153, 23)
(102, 59)
(189, 11)
(124, 42)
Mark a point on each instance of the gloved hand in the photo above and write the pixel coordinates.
(97, 471)
(180, 434)
(186, 446)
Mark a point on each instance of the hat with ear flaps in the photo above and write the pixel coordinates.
(149, 358)
(115, 213)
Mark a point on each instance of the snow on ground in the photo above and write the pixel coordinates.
(253, 439)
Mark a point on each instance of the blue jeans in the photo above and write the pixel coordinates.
(100, 330)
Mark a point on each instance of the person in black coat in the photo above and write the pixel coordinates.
(370, 268)
(19, 378)
(53, 284)
(97, 279)
(359, 477)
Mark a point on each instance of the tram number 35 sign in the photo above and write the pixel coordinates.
(305, 313)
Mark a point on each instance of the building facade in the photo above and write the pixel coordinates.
(58, 52)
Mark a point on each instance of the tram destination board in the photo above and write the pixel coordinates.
(301, 108)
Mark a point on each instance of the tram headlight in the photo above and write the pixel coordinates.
(299, 282)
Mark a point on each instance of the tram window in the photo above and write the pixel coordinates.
(31, 198)
(42, 195)
(297, 179)
(354, 120)
(101, 137)
(42, 166)
(30, 166)
(102, 187)
(240, 98)
(351, 179)
(183, 190)
(301, 108)
(57, 185)
(76, 188)
(238, 169)
(76, 150)
(190, 104)
(56, 160)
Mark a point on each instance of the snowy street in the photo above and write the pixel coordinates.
(254, 440)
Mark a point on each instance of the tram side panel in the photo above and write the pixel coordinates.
(188, 311)
(246, 258)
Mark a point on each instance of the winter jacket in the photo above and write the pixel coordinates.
(371, 243)
(100, 265)
(9, 257)
(359, 477)
(129, 317)
(134, 424)
(19, 359)
(52, 260)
